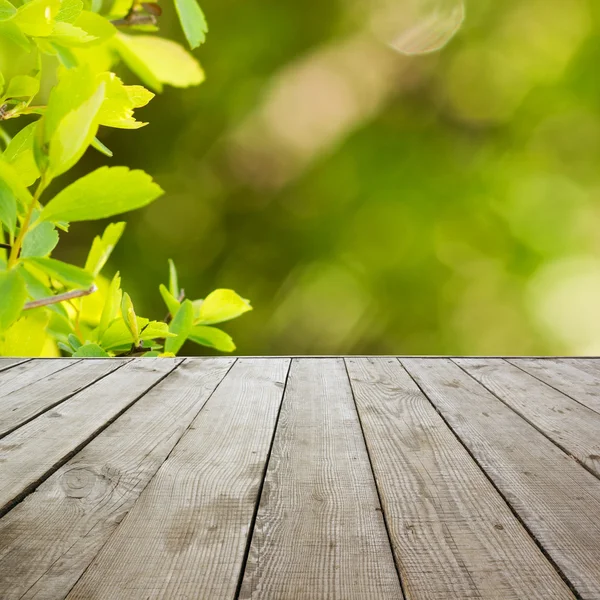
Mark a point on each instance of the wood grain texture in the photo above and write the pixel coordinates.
(319, 531)
(29, 454)
(49, 539)
(556, 498)
(24, 403)
(567, 378)
(186, 535)
(589, 365)
(574, 427)
(453, 535)
(22, 375)
(7, 363)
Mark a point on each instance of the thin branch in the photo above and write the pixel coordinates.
(59, 298)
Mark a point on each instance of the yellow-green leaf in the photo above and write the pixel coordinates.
(13, 295)
(11, 178)
(192, 21)
(212, 337)
(7, 10)
(221, 305)
(90, 351)
(102, 247)
(111, 305)
(69, 10)
(181, 325)
(68, 275)
(40, 240)
(75, 133)
(119, 102)
(19, 154)
(36, 18)
(157, 61)
(22, 86)
(172, 303)
(130, 318)
(105, 192)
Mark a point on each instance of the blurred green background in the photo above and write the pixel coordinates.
(372, 202)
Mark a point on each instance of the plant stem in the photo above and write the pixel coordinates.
(16, 249)
(59, 298)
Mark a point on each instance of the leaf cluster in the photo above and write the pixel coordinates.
(71, 47)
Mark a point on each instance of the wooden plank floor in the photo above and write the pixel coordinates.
(323, 478)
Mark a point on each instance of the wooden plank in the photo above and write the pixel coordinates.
(49, 539)
(23, 404)
(567, 378)
(187, 533)
(7, 363)
(589, 365)
(574, 427)
(32, 452)
(556, 498)
(453, 535)
(319, 531)
(24, 374)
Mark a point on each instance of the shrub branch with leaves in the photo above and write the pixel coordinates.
(70, 48)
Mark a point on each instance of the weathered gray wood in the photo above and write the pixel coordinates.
(453, 535)
(574, 427)
(557, 499)
(22, 375)
(589, 365)
(7, 363)
(568, 378)
(23, 404)
(49, 539)
(319, 531)
(32, 452)
(186, 535)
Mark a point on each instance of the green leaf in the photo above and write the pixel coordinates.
(181, 325)
(74, 341)
(119, 102)
(39, 240)
(98, 145)
(95, 25)
(10, 32)
(90, 351)
(69, 123)
(22, 86)
(13, 294)
(74, 134)
(172, 303)
(19, 154)
(11, 179)
(157, 61)
(155, 329)
(7, 10)
(221, 305)
(192, 21)
(173, 280)
(69, 10)
(36, 18)
(105, 192)
(130, 318)
(68, 275)
(68, 34)
(111, 306)
(212, 337)
(102, 247)
(8, 208)
(118, 336)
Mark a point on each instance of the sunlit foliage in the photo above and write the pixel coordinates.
(56, 77)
